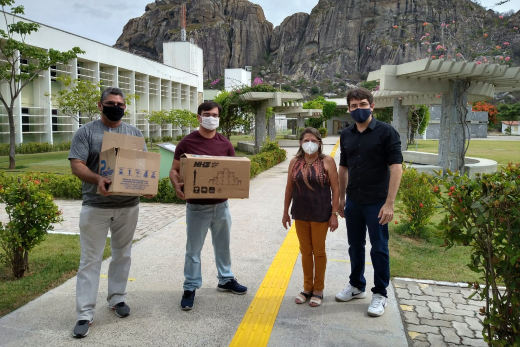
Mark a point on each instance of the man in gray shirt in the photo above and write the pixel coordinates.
(101, 212)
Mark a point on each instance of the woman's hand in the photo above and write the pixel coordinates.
(286, 220)
(333, 222)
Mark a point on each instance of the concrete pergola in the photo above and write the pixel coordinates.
(281, 102)
(451, 84)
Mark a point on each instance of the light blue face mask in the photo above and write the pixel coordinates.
(360, 115)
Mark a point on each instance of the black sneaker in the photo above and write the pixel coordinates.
(121, 310)
(81, 328)
(188, 297)
(232, 286)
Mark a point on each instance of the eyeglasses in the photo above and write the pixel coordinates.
(113, 103)
(214, 115)
(361, 105)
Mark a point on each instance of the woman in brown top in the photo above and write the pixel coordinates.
(312, 186)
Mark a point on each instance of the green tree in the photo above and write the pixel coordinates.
(157, 120)
(418, 119)
(80, 98)
(233, 116)
(15, 74)
(509, 113)
(328, 107)
(184, 119)
(31, 211)
(369, 85)
(384, 114)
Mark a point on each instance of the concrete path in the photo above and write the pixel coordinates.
(156, 277)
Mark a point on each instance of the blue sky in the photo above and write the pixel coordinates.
(103, 20)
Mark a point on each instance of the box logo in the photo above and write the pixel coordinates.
(201, 164)
(105, 171)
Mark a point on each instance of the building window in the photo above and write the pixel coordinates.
(25, 123)
(54, 123)
(25, 110)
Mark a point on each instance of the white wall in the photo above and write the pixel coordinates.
(514, 129)
(236, 78)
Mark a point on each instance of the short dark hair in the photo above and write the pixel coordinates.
(360, 94)
(112, 91)
(209, 105)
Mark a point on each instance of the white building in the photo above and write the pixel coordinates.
(237, 78)
(176, 84)
(280, 122)
(514, 127)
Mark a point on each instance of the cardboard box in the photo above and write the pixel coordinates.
(132, 171)
(213, 177)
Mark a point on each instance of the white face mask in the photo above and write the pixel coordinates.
(210, 123)
(310, 147)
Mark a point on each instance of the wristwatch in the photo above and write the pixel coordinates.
(336, 213)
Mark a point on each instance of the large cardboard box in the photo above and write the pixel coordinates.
(213, 177)
(132, 171)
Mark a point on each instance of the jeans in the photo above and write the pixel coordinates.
(93, 225)
(200, 218)
(359, 217)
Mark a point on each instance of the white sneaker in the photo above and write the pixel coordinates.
(377, 306)
(350, 293)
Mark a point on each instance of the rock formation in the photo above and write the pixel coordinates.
(339, 39)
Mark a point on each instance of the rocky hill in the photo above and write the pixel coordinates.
(339, 42)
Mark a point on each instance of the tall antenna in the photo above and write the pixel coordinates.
(183, 22)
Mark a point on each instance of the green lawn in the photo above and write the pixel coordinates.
(502, 152)
(51, 263)
(421, 259)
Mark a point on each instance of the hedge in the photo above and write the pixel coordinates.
(68, 186)
(35, 147)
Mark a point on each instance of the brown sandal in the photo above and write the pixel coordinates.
(316, 299)
(302, 298)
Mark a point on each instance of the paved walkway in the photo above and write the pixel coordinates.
(417, 314)
(440, 315)
(152, 217)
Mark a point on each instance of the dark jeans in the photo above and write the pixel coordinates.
(359, 217)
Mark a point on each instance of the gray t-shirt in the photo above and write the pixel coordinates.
(86, 145)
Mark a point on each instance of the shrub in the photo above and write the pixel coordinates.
(270, 155)
(167, 138)
(35, 147)
(417, 201)
(180, 137)
(323, 132)
(484, 213)
(31, 211)
(165, 193)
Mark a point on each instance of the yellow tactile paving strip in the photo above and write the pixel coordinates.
(257, 324)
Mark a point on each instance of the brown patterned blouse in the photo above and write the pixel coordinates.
(311, 195)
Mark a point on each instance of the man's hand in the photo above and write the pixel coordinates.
(286, 220)
(103, 184)
(342, 208)
(386, 214)
(179, 190)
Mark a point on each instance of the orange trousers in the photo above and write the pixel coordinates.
(312, 237)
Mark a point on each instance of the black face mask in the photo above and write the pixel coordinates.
(113, 113)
